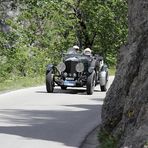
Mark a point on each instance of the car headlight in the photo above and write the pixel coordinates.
(90, 69)
(80, 67)
(61, 67)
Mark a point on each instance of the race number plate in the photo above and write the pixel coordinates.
(69, 83)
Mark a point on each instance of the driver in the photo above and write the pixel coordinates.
(76, 48)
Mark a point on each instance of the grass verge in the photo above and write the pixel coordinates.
(21, 82)
(106, 140)
(112, 71)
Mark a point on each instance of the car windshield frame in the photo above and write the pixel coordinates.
(71, 51)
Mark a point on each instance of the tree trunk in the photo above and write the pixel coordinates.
(125, 109)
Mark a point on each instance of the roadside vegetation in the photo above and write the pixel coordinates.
(35, 32)
(20, 82)
(107, 140)
(112, 70)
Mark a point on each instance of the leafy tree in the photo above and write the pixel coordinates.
(40, 28)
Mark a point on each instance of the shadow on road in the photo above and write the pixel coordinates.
(80, 91)
(49, 124)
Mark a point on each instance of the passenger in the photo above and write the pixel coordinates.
(87, 52)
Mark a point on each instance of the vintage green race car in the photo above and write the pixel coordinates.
(77, 70)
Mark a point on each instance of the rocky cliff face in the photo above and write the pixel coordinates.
(8, 8)
(125, 109)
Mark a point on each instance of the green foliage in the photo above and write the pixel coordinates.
(146, 144)
(112, 70)
(107, 140)
(20, 82)
(43, 29)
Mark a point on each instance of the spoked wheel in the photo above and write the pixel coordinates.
(90, 83)
(49, 82)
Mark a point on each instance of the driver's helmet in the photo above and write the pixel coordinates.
(76, 47)
(87, 51)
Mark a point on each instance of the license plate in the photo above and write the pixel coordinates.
(69, 83)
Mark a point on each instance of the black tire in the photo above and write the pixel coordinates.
(107, 77)
(49, 82)
(90, 84)
(63, 87)
(103, 88)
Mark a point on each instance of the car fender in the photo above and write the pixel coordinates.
(104, 68)
(102, 78)
(103, 75)
(92, 66)
(49, 68)
(91, 69)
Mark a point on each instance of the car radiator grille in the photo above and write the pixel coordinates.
(71, 67)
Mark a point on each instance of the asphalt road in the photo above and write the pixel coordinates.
(32, 118)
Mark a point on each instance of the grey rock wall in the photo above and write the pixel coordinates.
(125, 109)
(8, 8)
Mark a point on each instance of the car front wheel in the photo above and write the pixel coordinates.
(90, 84)
(49, 82)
